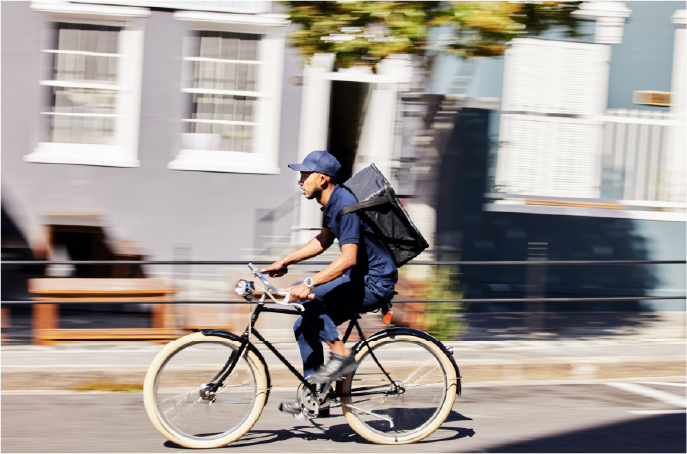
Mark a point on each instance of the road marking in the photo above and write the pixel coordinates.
(658, 412)
(663, 396)
(664, 383)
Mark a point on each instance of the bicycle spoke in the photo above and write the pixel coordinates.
(412, 399)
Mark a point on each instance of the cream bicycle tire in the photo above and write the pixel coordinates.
(435, 378)
(249, 381)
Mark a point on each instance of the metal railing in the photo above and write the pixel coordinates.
(540, 265)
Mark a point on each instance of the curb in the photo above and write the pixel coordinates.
(473, 372)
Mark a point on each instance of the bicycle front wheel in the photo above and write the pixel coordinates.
(414, 388)
(180, 404)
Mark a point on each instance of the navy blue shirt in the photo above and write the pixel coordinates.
(374, 259)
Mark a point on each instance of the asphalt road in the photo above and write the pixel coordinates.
(591, 417)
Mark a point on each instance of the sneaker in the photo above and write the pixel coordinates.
(335, 369)
(292, 408)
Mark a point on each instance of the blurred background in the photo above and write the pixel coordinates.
(149, 130)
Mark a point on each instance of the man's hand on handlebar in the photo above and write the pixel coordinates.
(298, 293)
(277, 269)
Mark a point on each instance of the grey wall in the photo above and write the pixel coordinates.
(215, 212)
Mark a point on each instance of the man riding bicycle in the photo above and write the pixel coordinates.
(361, 279)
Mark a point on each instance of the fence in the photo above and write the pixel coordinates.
(540, 266)
(635, 158)
(45, 316)
(630, 157)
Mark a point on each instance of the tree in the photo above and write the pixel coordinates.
(363, 33)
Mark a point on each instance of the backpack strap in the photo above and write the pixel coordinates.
(363, 205)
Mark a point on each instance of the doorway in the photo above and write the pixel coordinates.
(348, 106)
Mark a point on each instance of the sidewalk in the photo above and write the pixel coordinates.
(569, 351)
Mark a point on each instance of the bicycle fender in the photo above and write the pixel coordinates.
(414, 332)
(251, 347)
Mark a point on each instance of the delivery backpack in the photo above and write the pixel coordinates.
(379, 207)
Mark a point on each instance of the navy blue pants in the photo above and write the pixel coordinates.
(334, 303)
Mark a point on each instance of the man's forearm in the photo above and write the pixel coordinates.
(347, 259)
(335, 269)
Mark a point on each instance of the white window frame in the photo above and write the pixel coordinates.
(271, 48)
(124, 152)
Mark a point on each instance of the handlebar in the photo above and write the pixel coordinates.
(247, 290)
(281, 295)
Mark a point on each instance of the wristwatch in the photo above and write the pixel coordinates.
(309, 282)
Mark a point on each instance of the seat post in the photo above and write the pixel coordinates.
(351, 324)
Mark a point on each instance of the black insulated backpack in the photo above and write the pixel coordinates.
(379, 207)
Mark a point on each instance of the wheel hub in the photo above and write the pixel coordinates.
(206, 393)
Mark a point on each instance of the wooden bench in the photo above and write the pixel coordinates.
(56, 336)
(5, 322)
(46, 316)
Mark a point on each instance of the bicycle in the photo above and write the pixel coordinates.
(207, 389)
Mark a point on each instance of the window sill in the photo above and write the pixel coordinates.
(223, 161)
(509, 206)
(84, 154)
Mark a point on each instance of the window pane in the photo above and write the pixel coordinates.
(221, 74)
(223, 107)
(66, 128)
(94, 69)
(87, 38)
(213, 75)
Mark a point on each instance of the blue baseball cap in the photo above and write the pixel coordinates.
(318, 161)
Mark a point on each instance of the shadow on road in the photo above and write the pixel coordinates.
(340, 433)
(662, 433)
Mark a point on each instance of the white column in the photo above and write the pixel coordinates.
(313, 135)
(610, 20)
(379, 131)
(677, 150)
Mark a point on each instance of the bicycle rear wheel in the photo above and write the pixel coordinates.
(177, 399)
(417, 394)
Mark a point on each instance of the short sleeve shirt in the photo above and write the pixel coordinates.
(374, 259)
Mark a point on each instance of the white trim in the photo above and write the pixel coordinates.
(257, 24)
(210, 91)
(675, 162)
(124, 153)
(627, 203)
(79, 153)
(265, 155)
(610, 20)
(78, 114)
(88, 11)
(510, 207)
(219, 122)
(80, 52)
(250, 7)
(680, 17)
(314, 118)
(65, 84)
(594, 10)
(219, 60)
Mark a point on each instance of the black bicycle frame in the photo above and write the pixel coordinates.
(245, 340)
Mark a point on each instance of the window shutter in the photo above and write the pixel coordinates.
(549, 142)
